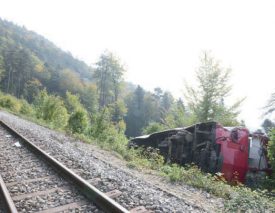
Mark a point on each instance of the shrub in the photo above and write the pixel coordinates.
(51, 109)
(59, 114)
(173, 172)
(78, 121)
(72, 102)
(9, 102)
(271, 150)
(26, 108)
(121, 126)
(40, 104)
(101, 125)
(243, 199)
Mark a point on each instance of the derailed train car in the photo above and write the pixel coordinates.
(234, 151)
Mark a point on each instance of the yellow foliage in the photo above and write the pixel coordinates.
(39, 67)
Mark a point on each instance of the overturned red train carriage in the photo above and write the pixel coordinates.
(232, 151)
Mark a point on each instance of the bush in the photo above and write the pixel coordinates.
(78, 121)
(237, 198)
(15, 105)
(51, 109)
(26, 108)
(245, 200)
(40, 104)
(101, 125)
(59, 115)
(173, 172)
(72, 102)
(271, 150)
(11, 103)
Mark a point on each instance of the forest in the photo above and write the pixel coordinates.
(41, 81)
(30, 63)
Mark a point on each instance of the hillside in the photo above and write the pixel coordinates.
(27, 59)
(29, 63)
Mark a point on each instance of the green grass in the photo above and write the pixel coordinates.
(237, 198)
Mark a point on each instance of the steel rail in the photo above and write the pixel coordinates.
(92, 193)
(5, 195)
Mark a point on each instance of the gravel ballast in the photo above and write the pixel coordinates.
(112, 173)
(20, 174)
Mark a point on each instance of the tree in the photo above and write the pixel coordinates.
(206, 100)
(268, 125)
(51, 109)
(89, 98)
(270, 107)
(151, 110)
(70, 81)
(109, 78)
(41, 71)
(72, 102)
(118, 111)
(143, 108)
(158, 93)
(166, 101)
(8, 55)
(271, 150)
(19, 67)
(178, 116)
(78, 120)
(32, 89)
(135, 119)
(152, 127)
(2, 68)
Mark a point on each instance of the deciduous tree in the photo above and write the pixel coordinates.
(207, 100)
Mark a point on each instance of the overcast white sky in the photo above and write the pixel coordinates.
(160, 41)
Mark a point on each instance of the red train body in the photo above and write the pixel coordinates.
(233, 152)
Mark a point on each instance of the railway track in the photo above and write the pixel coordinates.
(31, 180)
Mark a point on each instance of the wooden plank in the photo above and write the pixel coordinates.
(64, 207)
(34, 194)
(29, 180)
